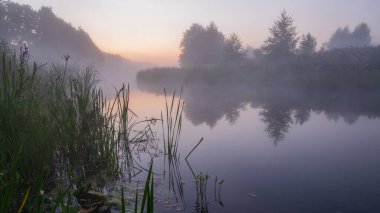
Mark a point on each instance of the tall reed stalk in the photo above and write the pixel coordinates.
(56, 127)
(171, 125)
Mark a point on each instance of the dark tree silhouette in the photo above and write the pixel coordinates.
(308, 44)
(190, 44)
(344, 38)
(18, 23)
(278, 120)
(361, 35)
(201, 46)
(283, 39)
(234, 52)
(301, 115)
(44, 32)
(340, 39)
(257, 54)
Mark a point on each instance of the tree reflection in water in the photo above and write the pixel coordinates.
(280, 107)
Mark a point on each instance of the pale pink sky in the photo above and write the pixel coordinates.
(151, 30)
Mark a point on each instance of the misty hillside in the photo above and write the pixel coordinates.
(49, 38)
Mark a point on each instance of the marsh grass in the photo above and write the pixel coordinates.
(147, 197)
(57, 129)
(135, 136)
(23, 133)
(172, 125)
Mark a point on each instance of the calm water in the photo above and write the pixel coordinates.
(273, 151)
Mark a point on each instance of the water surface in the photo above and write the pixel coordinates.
(274, 151)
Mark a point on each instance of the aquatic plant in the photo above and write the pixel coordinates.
(171, 126)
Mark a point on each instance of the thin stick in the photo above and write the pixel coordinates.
(200, 141)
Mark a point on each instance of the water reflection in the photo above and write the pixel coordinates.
(277, 120)
(201, 204)
(280, 108)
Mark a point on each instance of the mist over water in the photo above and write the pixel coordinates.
(281, 151)
(289, 126)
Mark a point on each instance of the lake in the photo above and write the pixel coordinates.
(270, 151)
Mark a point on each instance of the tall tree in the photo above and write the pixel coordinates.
(18, 23)
(233, 50)
(361, 36)
(344, 38)
(201, 46)
(308, 44)
(340, 39)
(283, 39)
(190, 44)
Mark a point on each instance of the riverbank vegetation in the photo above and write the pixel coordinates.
(348, 61)
(57, 132)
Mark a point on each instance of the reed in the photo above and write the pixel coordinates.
(172, 128)
(147, 198)
(56, 127)
(172, 125)
(23, 133)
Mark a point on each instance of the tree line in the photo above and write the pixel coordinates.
(207, 46)
(46, 34)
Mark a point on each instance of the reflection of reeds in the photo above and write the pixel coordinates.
(201, 204)
(217, 189)
(171, 133)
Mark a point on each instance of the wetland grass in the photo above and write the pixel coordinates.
(56, 130)
(171, 126)
(24, 133)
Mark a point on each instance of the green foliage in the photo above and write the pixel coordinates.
(56, 128)
(63, 204)
(148, 196)
(24, 132)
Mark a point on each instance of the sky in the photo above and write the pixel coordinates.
(151, 30)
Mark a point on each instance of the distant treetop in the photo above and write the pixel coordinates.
(283, 39)
(344, 38)
(44, 32)
(308, 44)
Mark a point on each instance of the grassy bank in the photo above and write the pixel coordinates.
(56, 129)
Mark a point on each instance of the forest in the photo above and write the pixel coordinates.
(50, 38)
(348, 61)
